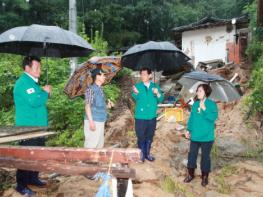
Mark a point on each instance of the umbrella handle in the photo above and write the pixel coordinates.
(45, 53)
(47, 70)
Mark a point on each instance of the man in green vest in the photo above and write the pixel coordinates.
(147, 95)
(30, 110)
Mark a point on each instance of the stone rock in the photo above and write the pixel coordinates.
(258, 124)
(230, 146)
(215, 194)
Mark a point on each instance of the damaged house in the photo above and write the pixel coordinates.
(214, 40)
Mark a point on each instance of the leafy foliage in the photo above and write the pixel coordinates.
(9, 70)
(255, 99)
(255, 51)
(121, 22)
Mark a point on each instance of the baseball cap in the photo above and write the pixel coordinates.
(97, 71)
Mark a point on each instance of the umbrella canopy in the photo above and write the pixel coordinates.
(41, 40)
(222, 90)
(81, 78)
(159, 56)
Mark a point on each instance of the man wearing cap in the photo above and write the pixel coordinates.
(96, 111)
(30, 110)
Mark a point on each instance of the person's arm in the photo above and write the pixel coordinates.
(32, 96)
(159, 94)
(135, 93)
(89, 116)
(88, 101)
(190, 123)
(211, 112)
(191, 117)
(110, 104)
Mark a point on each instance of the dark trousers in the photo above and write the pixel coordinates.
(145, 129)
(205, 155)
(24, 177)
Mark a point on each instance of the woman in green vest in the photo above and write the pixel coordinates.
(201, 132)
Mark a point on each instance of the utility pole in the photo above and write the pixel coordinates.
(73, 28)
(259, 13)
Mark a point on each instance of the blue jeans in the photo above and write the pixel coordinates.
(145, 129)
(206, 148)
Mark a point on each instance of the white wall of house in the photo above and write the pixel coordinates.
(206, 44)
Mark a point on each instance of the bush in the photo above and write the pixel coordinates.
(68, 138)
(7, 117)
(124, 72)
(255, 99)
(255, 50)
(63, 112)
(112, 92)
(10, 69)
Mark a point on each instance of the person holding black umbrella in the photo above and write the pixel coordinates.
(146, 95)
(201, 132)
(31, 110)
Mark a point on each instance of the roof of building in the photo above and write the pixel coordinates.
(210, 22)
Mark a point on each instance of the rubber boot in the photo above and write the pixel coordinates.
(36, 181)
(204, 179)
(190, 176)
(148, 156)
(141, 145)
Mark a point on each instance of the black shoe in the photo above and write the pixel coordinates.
(147, 149)
(204, 179)
(188, 179)
(38, 183)
(150, 158)
(25, 191)
(190, 176)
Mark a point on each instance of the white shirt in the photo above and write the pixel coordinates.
(35, 79)
(147, 84)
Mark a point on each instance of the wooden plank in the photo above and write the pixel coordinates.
(10, 130)
(66, 155)
(25, 136)
(65, 168)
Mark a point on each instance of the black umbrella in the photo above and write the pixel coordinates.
(222, 90)
(159, 56)
(43, 41)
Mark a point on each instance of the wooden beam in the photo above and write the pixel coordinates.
(66, 155)
(10, 130)
(65, 168)
(26, 135)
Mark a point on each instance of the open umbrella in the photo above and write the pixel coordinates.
(43, 41)
(159, 56)
(222, 90)
(81, 78)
